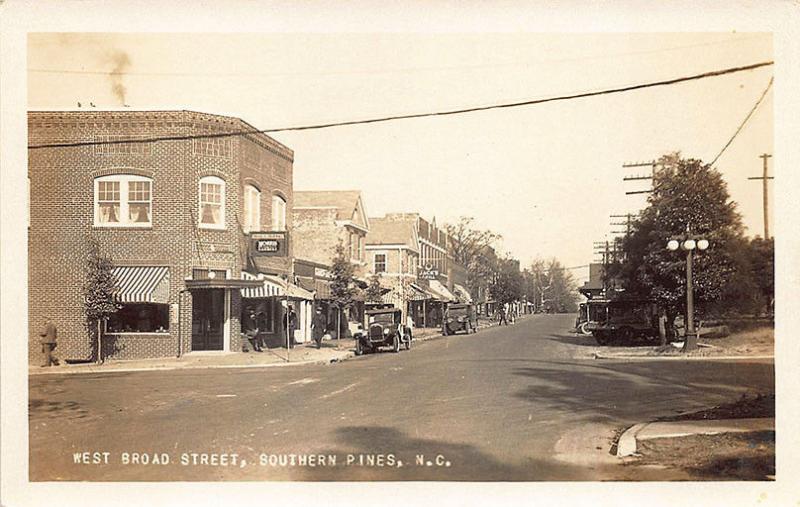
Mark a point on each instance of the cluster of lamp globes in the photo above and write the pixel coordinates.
(688, 244)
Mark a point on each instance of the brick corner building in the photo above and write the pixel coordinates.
(176, 217)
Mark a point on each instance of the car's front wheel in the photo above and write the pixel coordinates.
(396, 343)
(359, 347)
(408, 342)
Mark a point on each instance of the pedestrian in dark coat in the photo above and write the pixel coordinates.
(318, 325)
(250, 326)
(290, 325)
(48, 338)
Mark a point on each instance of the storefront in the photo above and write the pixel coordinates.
(271, 301)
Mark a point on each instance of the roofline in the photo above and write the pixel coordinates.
(128, 111)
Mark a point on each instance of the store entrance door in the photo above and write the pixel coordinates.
(208, 319)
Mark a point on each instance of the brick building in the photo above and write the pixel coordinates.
(323, 219)
(179, 219)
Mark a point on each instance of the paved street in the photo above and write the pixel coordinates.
(523, 402)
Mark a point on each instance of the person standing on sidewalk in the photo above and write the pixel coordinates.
(290, 325)
(318, 327)
(502, 318)
(48, 339)
(250, 326)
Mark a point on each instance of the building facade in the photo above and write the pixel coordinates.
(181, 219)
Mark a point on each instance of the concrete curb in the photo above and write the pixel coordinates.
(595, 355)
(627, 442)
(101, 369)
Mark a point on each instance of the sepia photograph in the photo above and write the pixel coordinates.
(399, 256)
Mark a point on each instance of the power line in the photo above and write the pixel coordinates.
(608, 91)
(744, 122)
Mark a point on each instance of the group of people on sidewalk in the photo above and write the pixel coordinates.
(506, 315)
(257, 339)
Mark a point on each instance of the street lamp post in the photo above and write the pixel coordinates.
(689, 243)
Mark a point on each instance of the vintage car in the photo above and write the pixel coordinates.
(622, 321)
(459, 317)
(383, 327)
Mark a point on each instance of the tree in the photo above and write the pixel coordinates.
(506, 286)
(99, 290)
(551, 287)
(472, 248)
(688, 196)
(343, 288)
(374, 292)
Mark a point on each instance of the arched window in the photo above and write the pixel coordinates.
(252, 209)
(123, 200)
(211, 203)
(278, 213)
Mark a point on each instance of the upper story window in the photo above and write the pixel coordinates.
(278, 213)
(212, 203)
(123, 200)
(252, 209)
(380, 263)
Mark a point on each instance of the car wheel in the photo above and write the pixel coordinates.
(408, 342)
(582, 329)
(359, 348)
(396, 343)
(445, 331)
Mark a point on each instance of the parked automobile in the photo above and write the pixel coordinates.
(459, 317)
(621, 321)
(582, 321)
(383, 327)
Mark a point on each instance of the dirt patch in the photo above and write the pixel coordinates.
(753, 342)
(746, 408)
(729, 456)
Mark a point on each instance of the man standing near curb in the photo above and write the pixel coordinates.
(48, 341)
(318, 327)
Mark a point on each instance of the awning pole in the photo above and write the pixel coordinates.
(286, 322)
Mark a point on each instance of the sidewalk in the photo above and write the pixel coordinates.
(303, 354)
(331, 351)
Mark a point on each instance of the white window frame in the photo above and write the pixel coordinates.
(278, 220)
(124, 205)
(252, 208)
(211, 180)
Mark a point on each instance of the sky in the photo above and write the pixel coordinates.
(546, 177)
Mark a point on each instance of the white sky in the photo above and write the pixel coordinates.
(546, 177)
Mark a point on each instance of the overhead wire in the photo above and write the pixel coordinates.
(744, 122)
(608, 91)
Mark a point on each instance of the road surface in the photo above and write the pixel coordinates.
(517, 403)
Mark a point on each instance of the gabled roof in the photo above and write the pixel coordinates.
(347, 203)
(393, 231)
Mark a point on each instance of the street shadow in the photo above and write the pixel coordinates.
(628, 392)
(440, 460)
(55, 409)
(573, 339)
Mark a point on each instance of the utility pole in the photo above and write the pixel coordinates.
(652, 164)
(764, 178)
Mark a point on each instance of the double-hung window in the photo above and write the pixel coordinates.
(380, 263)
(212, 203)
(123, 200)
(278, 213)
(252, 209)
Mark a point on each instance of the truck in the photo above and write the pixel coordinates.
(621, 321)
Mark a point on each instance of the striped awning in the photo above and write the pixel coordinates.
(462, 293)
(142, 284)
(272, 286)
(440, 291)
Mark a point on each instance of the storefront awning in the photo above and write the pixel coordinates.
(273, 286)
(142, 284)
(441, 291)
(396, 296)
(462, 293)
